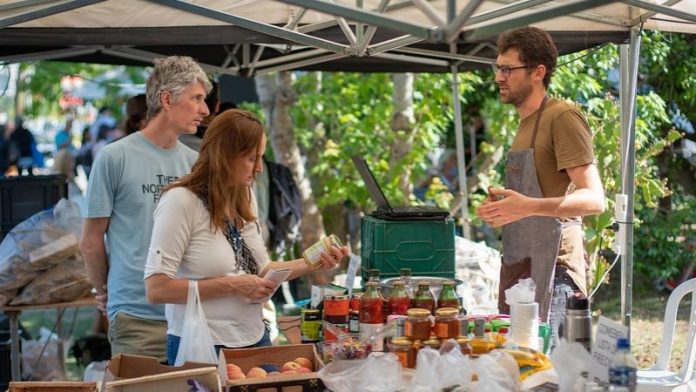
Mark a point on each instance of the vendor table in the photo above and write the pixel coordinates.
(13, 313)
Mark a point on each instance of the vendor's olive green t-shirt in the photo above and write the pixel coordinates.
(564, 140)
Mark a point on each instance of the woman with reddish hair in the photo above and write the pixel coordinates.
(206, 229)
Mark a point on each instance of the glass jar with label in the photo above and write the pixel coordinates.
(446, 323)
(465, 345)
(417, 325)
(405, 351)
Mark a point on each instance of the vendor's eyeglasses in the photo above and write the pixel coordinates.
(505, 70)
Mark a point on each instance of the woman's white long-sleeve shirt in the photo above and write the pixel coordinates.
(183, 245)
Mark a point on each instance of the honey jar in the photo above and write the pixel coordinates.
(417, 325)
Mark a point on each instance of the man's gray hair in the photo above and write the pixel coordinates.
(173, 74)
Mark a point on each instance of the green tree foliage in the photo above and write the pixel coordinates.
(41, 80)
(355, 111)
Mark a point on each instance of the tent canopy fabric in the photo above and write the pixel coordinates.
(248, 37)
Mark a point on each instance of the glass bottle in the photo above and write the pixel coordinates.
(371, 314)
(622, 372)
(398, 301)
(405, 274)
(424, 298)
(448, 297)
(479, 343)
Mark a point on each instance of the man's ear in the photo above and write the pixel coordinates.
(540, 71)
(166, 100)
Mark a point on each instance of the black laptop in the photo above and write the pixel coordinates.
(384, 209)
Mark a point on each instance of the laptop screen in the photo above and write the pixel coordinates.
(370, 182)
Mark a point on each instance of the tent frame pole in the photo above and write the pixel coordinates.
(629, 57)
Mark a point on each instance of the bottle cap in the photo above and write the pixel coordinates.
(578, 303)
(623, 343)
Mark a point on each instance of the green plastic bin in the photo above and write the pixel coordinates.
(426, 247)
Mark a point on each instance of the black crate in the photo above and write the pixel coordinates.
(22, 197)
(5, 365)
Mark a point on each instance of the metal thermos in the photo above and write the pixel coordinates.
(577, 326)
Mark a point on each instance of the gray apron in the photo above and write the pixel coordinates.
(530, 245)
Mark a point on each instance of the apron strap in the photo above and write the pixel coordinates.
(536, 123)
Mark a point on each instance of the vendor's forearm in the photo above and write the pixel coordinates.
(582, 202)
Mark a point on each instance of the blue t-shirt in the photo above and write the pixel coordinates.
(125, 185)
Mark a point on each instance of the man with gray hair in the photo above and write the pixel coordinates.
(124, 186)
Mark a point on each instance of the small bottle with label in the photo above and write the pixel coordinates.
(398, 301)
(371, 314)
(622, 373)
(480, 344)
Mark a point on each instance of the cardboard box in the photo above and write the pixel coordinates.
(144, 373)
(170, 382)
(246, 358)
(50, 386)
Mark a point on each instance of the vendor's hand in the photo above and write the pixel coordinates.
(254, 287)
(333, 257)
(101, 297)
(504, 206)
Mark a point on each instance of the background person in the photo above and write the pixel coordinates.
(551, 180)
(206, 229)
(124, 186)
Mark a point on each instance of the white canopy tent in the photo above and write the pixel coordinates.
(248, 37)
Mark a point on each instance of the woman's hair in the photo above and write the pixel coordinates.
(136, 113)
(231, 136)
(173, 74)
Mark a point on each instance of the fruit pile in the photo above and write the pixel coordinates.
(296, 366)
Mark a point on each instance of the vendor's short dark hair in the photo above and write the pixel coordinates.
(535, 47)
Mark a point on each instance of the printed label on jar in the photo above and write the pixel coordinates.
(312, 255)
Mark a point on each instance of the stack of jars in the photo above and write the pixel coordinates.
(413, 312)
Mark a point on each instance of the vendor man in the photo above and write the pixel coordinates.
(551, 180)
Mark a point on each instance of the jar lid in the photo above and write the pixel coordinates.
(418, 312)
(462, 340)
(402, 342)
(311, 311)
(447, 312)
(398, 283)
(337, 298)
(432, 342)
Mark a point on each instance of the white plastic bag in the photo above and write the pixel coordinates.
(379, 372)
(196, 344)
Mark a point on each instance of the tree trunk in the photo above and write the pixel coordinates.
(277, 96)
(402, 123)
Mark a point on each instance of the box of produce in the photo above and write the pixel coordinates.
(140, 373)
(274, 367)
